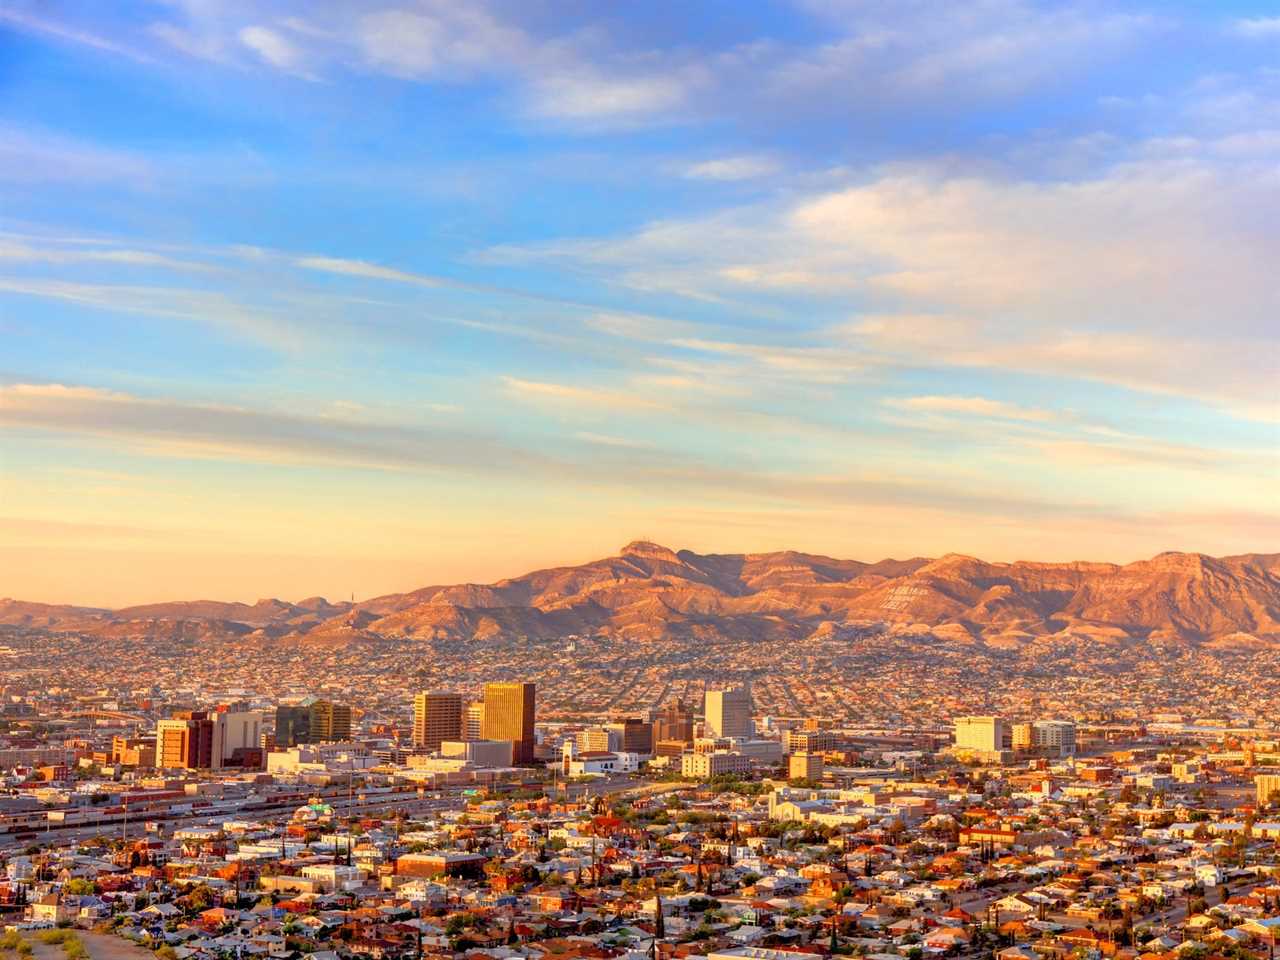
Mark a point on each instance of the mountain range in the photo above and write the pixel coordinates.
(649, 594)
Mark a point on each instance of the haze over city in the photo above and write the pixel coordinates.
(349, 298)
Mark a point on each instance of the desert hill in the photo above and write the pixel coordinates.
(650, 593)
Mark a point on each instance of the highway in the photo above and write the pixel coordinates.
(410, 801)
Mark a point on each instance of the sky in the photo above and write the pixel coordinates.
(347, 298)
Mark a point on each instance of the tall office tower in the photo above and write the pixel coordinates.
(633, 734)
(728, 712)
(239, 730)
(293, 725)
(673, 722)
(986, 734)
(508, 715)
(330, 721)
(473, 721)
(189, 740)
(1057, 738)
(437, 716)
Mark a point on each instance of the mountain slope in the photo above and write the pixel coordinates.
(651, 594)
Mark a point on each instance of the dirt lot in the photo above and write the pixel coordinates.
(100, 947)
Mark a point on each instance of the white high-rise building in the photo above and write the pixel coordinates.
(1055, 737)
(728, 712)
(237, 731)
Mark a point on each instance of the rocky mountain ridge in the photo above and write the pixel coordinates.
(650, 594)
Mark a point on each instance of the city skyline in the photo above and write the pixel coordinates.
(553, 480)
(346, 300)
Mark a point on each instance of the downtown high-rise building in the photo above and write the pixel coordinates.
(633, 734)
(983, 734)
(509, 715)
(330, 721)
(673, 723)
(185, 741)
(208, 740)
(473, 721)
(293, 725)
(437, 716)
(728, 712)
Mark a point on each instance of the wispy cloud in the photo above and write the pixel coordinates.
(166, 427)
(66, 33)
(744, 167)
(972, 406)
(586, 399)
(608, 440)
(1256, 27)
(24, 252)
(35, 157)
(200, 306)
(1104, 278)
(359, 268)
(275, 49)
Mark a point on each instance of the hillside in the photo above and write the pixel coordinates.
(649, 594)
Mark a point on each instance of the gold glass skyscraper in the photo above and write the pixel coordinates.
(508, 715)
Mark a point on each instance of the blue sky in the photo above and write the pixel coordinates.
(351, 297)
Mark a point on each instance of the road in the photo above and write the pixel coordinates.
(407, 800)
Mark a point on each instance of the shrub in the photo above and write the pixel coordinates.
(10, 940)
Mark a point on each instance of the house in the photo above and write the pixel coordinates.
(51, 908)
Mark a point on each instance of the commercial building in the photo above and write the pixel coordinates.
(597, 762)
(811, 741)
(241, 730)
(1266, 784)
(333, 759)
(670, 748)
(446, 864)
(763, 753)
(330, 721)
(133, 752)
(805, 766)
(728, 712)
(437, 716)
(479, 753)
(982, 734)
(185, 741)
(597, 739)
(200, 740)
(634, 735)
(706, 765)
(673, 722)
(509, 715)
(1057, 738)
(293, 724)
(1022, 736)
(473, 721)
(1052, 738)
